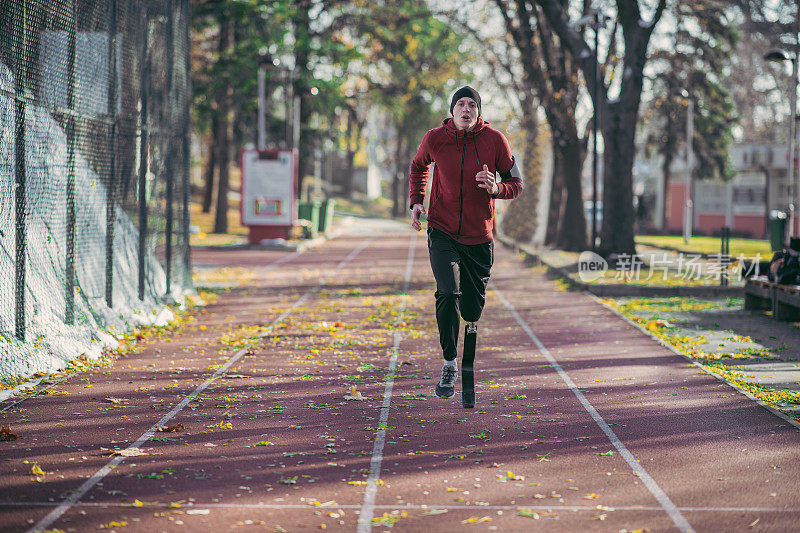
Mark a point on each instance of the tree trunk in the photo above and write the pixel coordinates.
(572, 227)
(618, 117)
(531, 162)
(211, 167)
(223, 138)
(566, 221)
(616, 233)
(618, 121)
(520, 219)
(302, 53)
(555, 208)
(224, 155)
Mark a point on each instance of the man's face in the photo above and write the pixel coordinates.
(465, 113)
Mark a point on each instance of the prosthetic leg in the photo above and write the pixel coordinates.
(467, 373)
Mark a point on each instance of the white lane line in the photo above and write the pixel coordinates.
(661, 496)
(368, 505)
(431, 506)
(98, 476)
(278, 262)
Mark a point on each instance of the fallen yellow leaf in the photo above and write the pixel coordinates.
(511, 476)
(114, 524)
(127, 452)
(476, 520)
(377, 482)
(355, 394)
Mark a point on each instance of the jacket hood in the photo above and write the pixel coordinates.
(450, 127)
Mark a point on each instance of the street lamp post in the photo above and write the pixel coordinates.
(778, 55)
(688, 201)
(262, 104)
(292, 103)
(265, 62)
(296, 103)
(597, 23)
(688, 224)
(594, 20)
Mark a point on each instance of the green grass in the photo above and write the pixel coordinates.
(656, 278)
(709, 245)
(673, 304)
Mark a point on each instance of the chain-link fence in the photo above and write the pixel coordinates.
(94, 173)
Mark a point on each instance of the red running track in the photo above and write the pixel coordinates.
(583, 423)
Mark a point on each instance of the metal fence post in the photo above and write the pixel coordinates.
(111, 190)
(725, 252)
(69, 273)
(19, 39)
(65, 142)
(171, 142)
(143, 154)
(187, 151)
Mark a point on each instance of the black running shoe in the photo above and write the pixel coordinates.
(446, 387)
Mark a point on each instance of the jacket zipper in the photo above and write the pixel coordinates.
(461, 185)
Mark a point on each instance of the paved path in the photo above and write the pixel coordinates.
(582, 423)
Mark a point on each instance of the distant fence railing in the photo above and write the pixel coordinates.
(94, 164)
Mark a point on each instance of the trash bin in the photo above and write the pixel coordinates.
(777, 229)
(310, 211)
(326, 215)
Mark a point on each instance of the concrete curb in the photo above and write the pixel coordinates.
(289, 246)
(29, 384)
(701, 366)
(620, 289)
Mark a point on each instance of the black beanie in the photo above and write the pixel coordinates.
(461, 93)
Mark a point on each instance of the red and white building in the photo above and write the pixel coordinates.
(743, 203)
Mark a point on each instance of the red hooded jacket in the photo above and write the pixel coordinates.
(457, 205)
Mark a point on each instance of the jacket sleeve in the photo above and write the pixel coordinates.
(420, 166)
(510, 183)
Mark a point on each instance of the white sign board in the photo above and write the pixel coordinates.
(268, 183)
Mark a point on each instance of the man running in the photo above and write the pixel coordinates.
(467, 154)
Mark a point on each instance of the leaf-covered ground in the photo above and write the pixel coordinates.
(302, 399)
(750, 350)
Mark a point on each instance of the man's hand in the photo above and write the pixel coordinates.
(486, 181)
(416, 212)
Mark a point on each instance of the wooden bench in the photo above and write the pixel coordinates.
(787, 303)
(759, 294)
(783, 300)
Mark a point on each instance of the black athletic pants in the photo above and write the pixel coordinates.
(461, 272)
